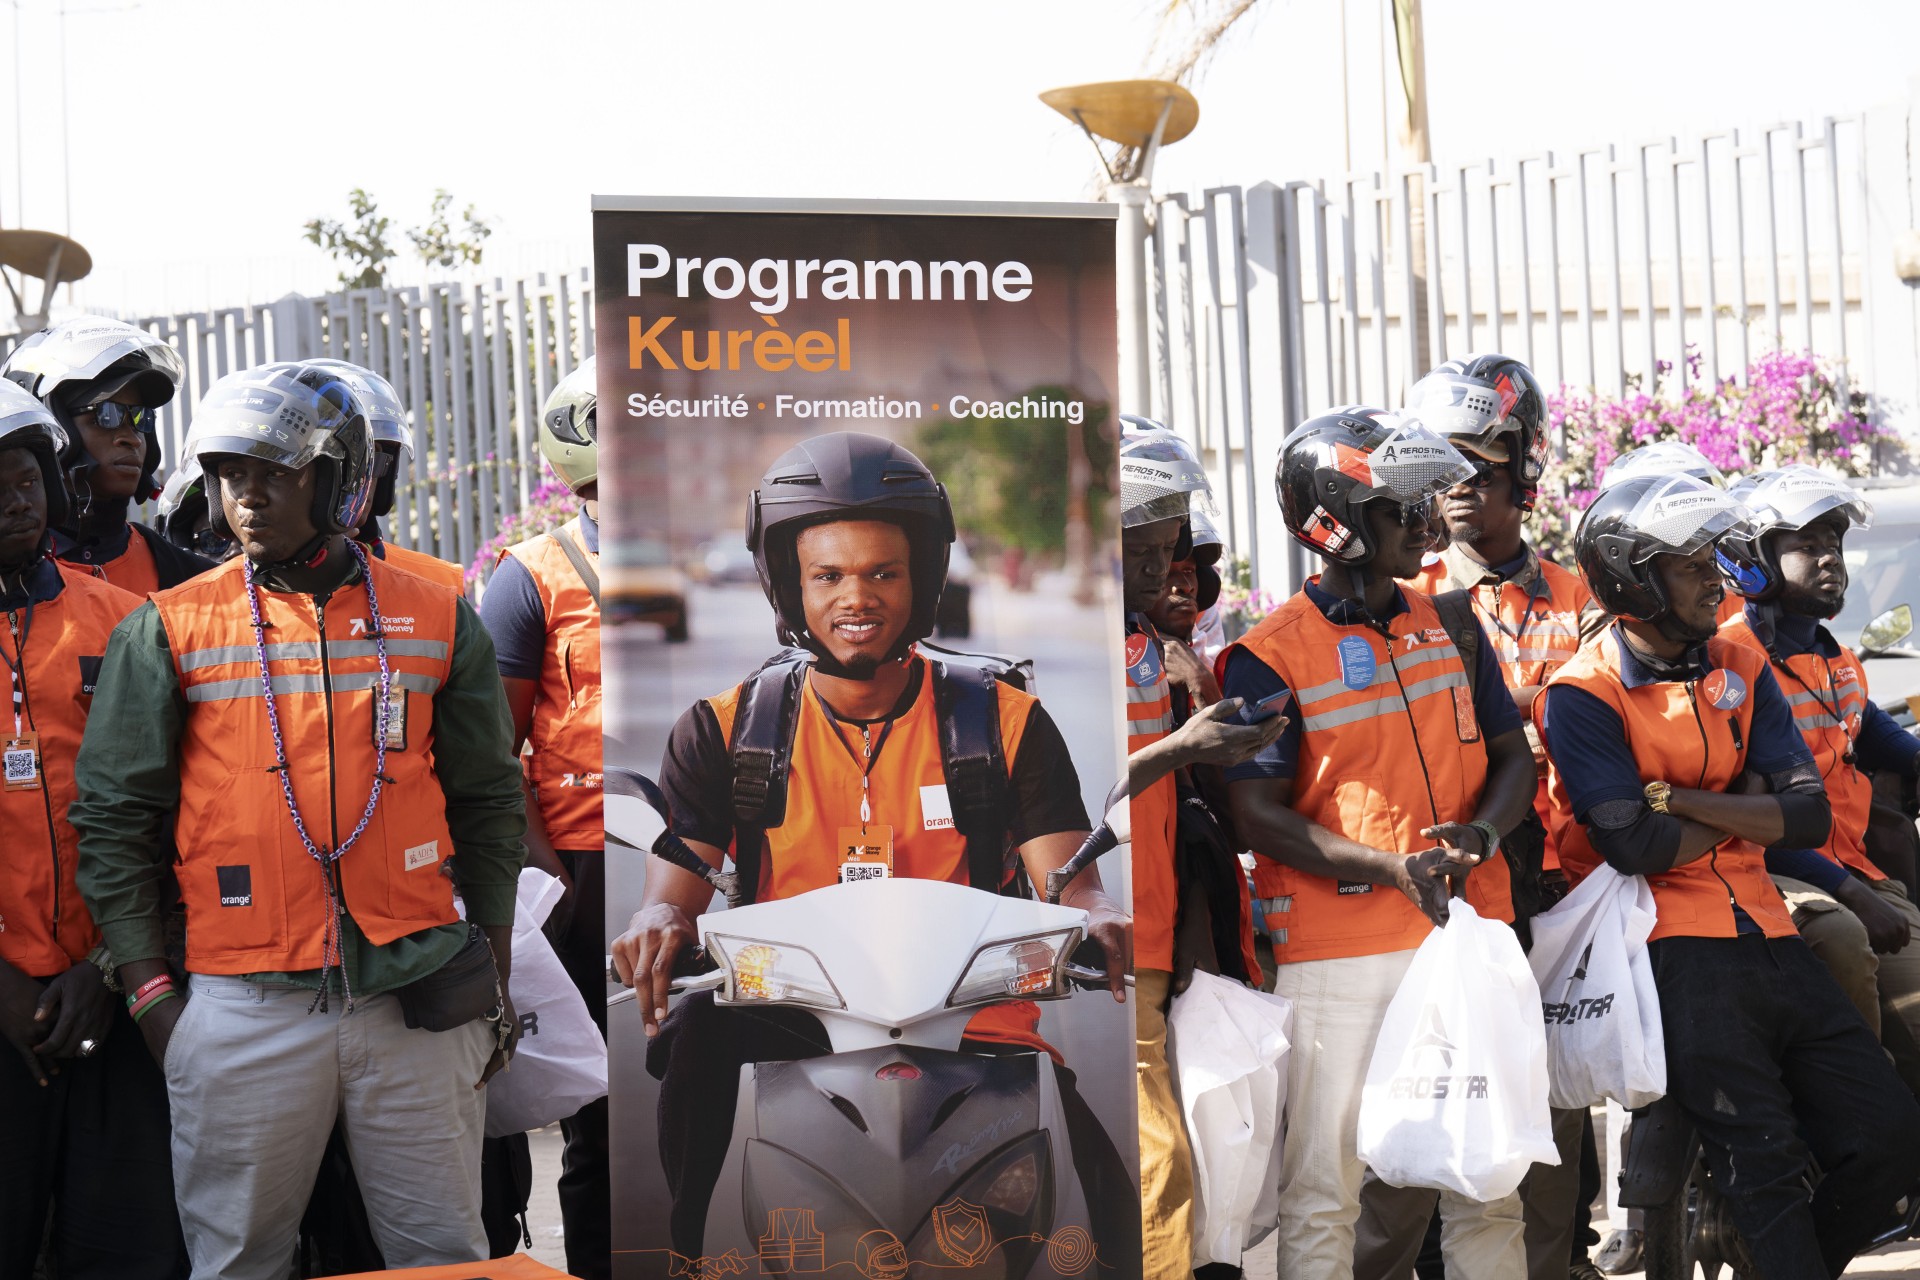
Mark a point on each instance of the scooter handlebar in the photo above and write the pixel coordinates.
(1081, 975)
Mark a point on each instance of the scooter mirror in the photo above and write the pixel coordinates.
(636, 812)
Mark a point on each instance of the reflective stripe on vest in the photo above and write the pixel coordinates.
(254, 896)
(565, 759)
(1814, 689)
(1676, 736)
(44, 925)
(1361, 772)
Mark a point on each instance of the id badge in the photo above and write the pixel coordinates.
(22, 758)
(396, 720)
(865, 855)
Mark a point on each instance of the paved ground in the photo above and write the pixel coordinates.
(543, 1208)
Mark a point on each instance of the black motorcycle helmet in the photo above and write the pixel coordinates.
(848, 475)
(1490, 405)
(1631, 522)
(1333, 464)
(1790, 498)
(296, 415)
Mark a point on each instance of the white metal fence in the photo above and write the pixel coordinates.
(1274, 302)
(472, 361)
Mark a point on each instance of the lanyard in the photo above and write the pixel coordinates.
(332, 951)
(1526, 615)
(1832, 708)
(16, 665)
(869, 745)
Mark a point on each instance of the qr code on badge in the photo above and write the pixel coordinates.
(849, 872)
(20, 766)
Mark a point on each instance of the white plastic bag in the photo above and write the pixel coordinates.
(1228, 1047)
(1596, 988)
(1456, 1094)
(561, 1062)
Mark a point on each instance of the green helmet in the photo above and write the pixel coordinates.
(567, 432)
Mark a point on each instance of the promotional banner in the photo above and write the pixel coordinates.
(864, 661)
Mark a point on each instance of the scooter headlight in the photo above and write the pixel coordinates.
(1024, 969)
(773, 974)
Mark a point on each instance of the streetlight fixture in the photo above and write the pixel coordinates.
(46, 256)
(1141, 116)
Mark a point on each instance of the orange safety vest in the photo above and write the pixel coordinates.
(823, 796)
(432, 568)
(132, 570)
(1533, 620)
(254, 895)
(1383, 755)
(566, 758)
(1152, 813)
(1829, 699)
(44, 925)
(1678, 736)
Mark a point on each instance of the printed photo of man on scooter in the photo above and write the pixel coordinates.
(871, 863)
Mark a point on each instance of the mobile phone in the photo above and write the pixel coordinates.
(1265, 709)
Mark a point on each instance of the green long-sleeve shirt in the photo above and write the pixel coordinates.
(129, 783)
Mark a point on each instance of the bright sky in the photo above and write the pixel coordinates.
(205, 132)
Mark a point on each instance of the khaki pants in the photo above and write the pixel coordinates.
(1166, 1161)
(1882, 987)
(255, 1082)
(1338, 1006)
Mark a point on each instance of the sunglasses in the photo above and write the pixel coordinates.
(1484, 474)
(111, 416)
(1408, 515)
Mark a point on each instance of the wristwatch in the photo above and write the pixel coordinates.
(1658, 793)
(1490, 834)
(102, 959)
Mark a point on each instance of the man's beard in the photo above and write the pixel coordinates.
(1804, 603)
(1466, 535)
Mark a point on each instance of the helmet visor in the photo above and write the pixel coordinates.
(1457, 406)
(1160, 478)
(1665, 458)
(1414, 462)
(1679, 515)
(20, 411)
(1796, 496)
(280, 420)
(82, 349)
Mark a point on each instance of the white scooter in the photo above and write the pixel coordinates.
(896, 1148)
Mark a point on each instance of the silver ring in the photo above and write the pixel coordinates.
(87, 1047)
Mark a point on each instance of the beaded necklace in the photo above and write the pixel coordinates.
(333, 952)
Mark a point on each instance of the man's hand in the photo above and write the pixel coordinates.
(75, 1007)
(1112, 928)
(503, 1052)
(1185, 669)
(1464, 844)
(157, 1023)
(1426, 879)
(1887, 930)
(644, 956)
(19, 998)
(1213, 736)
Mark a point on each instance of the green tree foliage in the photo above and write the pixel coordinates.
(1008, 477)
(439, 244)
(361, 243)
